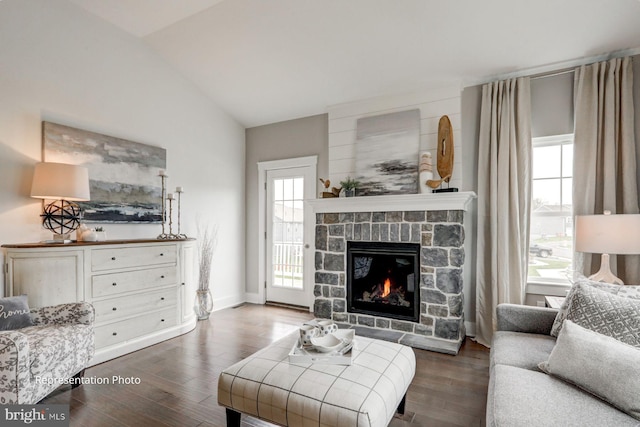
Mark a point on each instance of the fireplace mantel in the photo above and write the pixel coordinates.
(403, 202)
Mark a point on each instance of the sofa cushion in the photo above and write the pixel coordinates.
(606, 314)
(598, 364)
(520, 397)
(14, 313)
(520, 350)
(620, 290)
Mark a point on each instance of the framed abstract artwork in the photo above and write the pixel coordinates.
(387, 153)
(123, 175)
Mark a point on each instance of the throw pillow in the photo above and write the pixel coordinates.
(622, 290)
(14, 313)
(606, 313)
(598, 364)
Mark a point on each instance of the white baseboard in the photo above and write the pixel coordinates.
(471, 328)
(253, 298)
(226, 302)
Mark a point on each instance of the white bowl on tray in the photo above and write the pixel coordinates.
(333, 341)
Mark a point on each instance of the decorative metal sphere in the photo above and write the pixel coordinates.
(61, 217)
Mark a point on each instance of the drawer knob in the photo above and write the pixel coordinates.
(114, 308)
(162, 320)
(115, 333)
(162, 277)
(162, 299)
(114, 284)
(161, 254)
(113, 258)
(182, 284)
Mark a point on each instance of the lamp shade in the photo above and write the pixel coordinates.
(60, 181)
(608, 234)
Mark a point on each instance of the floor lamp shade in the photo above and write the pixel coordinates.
(60, 181)
(608, 234)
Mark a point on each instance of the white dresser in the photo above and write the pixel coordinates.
(142, 290)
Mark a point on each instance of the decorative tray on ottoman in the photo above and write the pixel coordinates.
(333, 349)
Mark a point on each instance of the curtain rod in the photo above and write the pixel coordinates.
(552, 74)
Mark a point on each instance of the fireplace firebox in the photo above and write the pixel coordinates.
(383, 279)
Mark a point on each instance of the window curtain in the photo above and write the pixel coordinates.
(604, 171)
(504, 200)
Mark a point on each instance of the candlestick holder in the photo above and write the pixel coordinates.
(163, 178)
(179, 191)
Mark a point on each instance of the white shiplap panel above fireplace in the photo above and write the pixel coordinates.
(398, 202)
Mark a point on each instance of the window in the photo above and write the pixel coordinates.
(551, 235)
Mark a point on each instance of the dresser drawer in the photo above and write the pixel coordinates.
(124, 330)
(116, 283)
(115, 308)
(115, 258)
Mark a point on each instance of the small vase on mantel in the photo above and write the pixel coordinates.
(204, 304)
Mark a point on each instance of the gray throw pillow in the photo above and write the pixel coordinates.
(14, 313)
(605, 313)
(621, 290)
(598, 364)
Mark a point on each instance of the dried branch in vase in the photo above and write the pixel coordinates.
(207, 242)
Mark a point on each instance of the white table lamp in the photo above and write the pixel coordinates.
(65, 184)
(608, 234)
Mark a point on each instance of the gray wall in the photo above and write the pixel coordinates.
(285, 140)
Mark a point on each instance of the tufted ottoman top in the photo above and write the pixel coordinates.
(366, 393)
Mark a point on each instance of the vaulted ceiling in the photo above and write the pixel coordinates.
(265, 61)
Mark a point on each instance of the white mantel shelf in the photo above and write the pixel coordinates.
(403, 202)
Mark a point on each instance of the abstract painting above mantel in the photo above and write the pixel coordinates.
(387, 153)
(123, 175)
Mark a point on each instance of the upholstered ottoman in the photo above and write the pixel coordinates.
(366, 393)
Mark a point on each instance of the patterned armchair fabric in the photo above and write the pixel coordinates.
(35, 360)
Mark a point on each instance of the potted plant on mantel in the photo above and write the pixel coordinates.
(207, 241)
(349, 186)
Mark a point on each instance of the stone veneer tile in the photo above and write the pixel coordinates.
(394, 233)
(348, 232)
(333, 262)
(436, 257)
(318, 260)
(405, 232)
(379, 334)
(456, 257)
(366, 232)
(346, 217)
(378, 217)
(427, 239)
(341, 317)
(336, 230)
(363, 217)
(449, 280)
(421, 329)
(448, 235)
(366, 321)
(402, 326)
(394, 216)
(322, 308)
(336, 244)
(375, 232)
(447, 329)
(456, 216)
(437, 216)
(414, 216)
(438, 310)
(327, 278)
(321, 237)
(331, 218)
(382, 323)
(416, 233)
(339, 306)
(384, 232)
(337, 292)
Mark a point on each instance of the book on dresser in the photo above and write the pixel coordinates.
(142, 290)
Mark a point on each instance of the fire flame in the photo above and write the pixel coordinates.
(387, 288)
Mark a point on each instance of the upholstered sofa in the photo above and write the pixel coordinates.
(520, 394)
(35, 360)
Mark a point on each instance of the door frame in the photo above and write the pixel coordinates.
(309, 223)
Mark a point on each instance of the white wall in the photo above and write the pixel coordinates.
(61, 64)
(433, 104)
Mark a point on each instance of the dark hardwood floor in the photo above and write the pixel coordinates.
(178, 378)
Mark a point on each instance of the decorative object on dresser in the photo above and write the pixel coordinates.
(387, 153)
(67, 184)
(207, 241)
(608, 234)
(142, 290)
(122, 172)
(56, 345)
(167, 199)
(444, 157)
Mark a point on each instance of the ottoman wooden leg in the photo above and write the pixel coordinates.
(233, 418)
(402, 403)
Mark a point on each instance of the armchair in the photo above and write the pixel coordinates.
(35, 360)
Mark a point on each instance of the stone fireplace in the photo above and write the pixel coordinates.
(363, 241)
